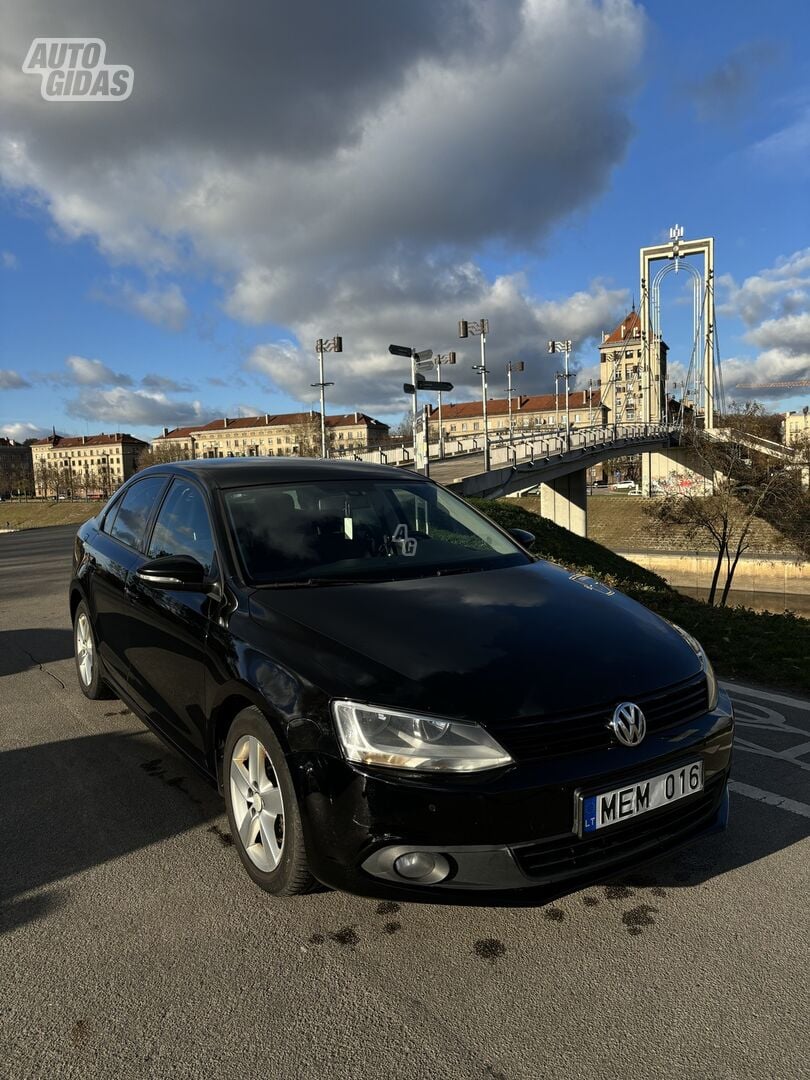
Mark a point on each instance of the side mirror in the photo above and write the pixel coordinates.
(173, 572)
(523, 537)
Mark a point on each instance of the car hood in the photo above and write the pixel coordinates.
(531, 640)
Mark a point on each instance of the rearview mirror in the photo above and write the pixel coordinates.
(523, 537)
(173, 572)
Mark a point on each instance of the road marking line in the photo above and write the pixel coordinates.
(794, 703)
(763, 751)
(768, 797)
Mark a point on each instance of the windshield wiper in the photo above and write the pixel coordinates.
(459, 570)
(317, 582)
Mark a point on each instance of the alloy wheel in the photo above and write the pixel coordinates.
(258, 807)
(85, 651)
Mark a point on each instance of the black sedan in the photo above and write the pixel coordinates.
(392, 694)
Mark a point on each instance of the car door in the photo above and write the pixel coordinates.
(168, 656)
(117, 550)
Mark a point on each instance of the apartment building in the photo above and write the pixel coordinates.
(796, 427)
(16, 470)
(621, 377)
(529, 412)
(355, 431)
(271, 435)
(87, 465)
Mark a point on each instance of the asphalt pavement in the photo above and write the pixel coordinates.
(132, 944)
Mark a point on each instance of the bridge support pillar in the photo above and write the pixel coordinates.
(564, 501)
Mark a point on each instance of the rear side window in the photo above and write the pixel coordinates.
(183, 526)
(134, 510)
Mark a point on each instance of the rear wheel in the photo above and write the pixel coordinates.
(88, 663)
(262, 807)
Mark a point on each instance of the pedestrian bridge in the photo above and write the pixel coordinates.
(552, 461)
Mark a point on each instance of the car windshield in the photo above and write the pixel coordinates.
(332, 531)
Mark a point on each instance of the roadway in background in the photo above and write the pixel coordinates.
(132, 943)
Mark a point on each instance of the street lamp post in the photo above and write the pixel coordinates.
(335, 344)
(481, 327)
(439, 359)
(564, 347)
(518, 366)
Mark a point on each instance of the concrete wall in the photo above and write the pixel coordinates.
(754, 574)
(564, 501)
(672, 470)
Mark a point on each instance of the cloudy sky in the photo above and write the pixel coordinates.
(380, 169)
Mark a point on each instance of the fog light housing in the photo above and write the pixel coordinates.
(425, 867)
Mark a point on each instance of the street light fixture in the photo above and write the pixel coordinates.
(481, 328)
(334, 344)
(564, 347)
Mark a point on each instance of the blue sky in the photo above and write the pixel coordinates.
(186, 266)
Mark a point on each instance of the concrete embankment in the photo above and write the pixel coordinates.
(763, 582)
(771, 576)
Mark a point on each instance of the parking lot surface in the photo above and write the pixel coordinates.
(132, 943)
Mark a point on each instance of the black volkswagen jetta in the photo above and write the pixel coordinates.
(392, 694)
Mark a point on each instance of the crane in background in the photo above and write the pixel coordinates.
(791, 384)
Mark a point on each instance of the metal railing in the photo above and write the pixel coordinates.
(537, 443)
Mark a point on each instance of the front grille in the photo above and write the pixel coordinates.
(572, 732)
(568, 855)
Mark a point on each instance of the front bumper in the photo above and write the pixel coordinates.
(510, 830)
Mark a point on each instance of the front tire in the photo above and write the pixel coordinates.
(262, 808)
(88, 662)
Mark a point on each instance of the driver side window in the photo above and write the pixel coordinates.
(183, 526)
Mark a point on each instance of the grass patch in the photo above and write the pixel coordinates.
(751, 646)
(35, 515)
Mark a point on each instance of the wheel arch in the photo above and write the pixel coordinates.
(234, 701)
(76, 597)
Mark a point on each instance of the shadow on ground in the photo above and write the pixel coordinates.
(68, 806)
(23, 650)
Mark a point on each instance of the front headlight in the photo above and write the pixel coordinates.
(400, 740)
(705, 663)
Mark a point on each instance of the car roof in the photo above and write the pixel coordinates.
(231, 472)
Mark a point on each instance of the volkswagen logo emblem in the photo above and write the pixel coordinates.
(628, 723)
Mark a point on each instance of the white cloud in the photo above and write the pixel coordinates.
(425, 313)
(164, 306)
(775, 306)
(23, 430)
(779, 290)
(12, 380)
(122, 406)
(85, 372)
(163, 382)
(789, 146)
(789, 333)
(444, 126)
(8, 260)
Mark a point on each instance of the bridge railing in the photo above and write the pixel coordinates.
(548, 446)
(523, 446)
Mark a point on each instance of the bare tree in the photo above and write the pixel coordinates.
(744, 489)
(161, 454)
(307, 438)
(753, 418)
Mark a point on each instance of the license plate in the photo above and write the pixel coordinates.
(621, 804)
